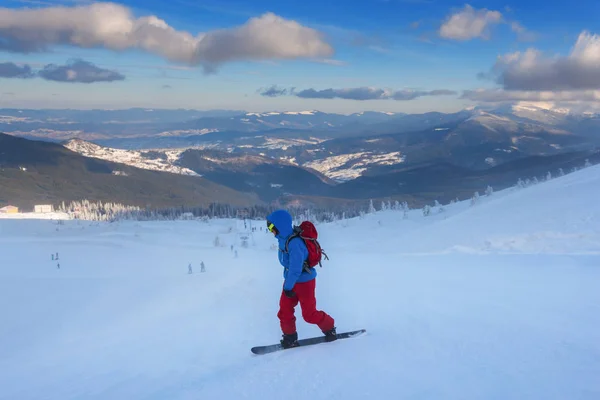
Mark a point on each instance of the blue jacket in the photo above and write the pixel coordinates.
(293, 261)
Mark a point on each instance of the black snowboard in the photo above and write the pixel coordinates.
(304, 342)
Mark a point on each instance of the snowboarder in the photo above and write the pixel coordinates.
(299, 284)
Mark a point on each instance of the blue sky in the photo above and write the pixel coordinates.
(387, 55)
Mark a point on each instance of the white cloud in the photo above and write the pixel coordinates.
(112, 26)
(532, 70)
(470, 24)
(523, 34)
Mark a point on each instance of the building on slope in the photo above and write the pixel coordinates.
(9, 210)
(43, 208)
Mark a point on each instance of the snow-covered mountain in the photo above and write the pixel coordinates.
(492, 300)
(338, 168)
(350, 166)
(158, 161)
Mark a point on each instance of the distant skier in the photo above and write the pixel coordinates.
(299, 284)
(202, 268)
(190, 268)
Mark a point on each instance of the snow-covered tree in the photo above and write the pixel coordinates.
(426, 210)
(371, 207)
(587, 163)
(561, 172)
(489, 191)
(548, 176)
(475, 199)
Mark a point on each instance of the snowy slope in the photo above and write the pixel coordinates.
(498, 300)
(134, 158)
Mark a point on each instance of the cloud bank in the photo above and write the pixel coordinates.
(534, 76)
(532, 70)
(113, 26)
(12, 70)
(499, 95)
(79, 71)
(360, 93)
(75, 71)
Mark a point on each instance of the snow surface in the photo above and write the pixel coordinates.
(498, 300)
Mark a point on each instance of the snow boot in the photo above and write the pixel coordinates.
(289, 341)
(330, 335)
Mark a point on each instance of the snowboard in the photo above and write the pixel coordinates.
(304, 342)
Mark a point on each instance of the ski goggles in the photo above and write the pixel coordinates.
(271, 227)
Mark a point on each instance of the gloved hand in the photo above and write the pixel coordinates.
(289, 293)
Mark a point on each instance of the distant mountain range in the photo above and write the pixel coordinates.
(321, 158)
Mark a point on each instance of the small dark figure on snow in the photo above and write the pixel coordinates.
(202, 269)
(299, 282)
(190, 268)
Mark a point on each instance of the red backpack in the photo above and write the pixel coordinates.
(307, 232)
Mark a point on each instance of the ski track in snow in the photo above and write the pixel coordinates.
(495, 301)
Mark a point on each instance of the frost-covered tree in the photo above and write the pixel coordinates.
(396, 205)
(587, 163)
(561, 172)
(535, 180)
(371, 207)
(426, 210)
(548, 176)
(489, 191)
(475, 199)
(383, 206)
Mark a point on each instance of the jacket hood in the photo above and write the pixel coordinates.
(282, 221)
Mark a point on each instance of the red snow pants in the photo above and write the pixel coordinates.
(305, 295)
